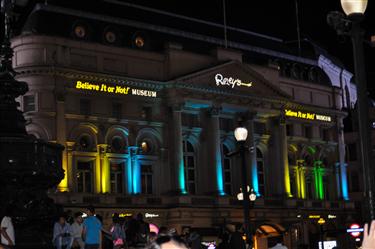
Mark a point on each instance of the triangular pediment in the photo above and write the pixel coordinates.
(233, 77)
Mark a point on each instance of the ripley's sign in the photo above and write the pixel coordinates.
(307, 115)
(231, 82)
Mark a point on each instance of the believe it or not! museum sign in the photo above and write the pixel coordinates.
(307, 115)
(114, 89)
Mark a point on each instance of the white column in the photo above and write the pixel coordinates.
(180, 184)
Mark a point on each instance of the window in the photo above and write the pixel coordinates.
(146, 179)
(146, 112)
(307, 131)
(226, 124)
(189, 120)
(326, 136)
(189, 163)
(116, 110)
(84, 143)
(289, 129)
(29, 103)
(84, 177)
(259, 128)
(352, 152)
(117, 178)
(293, 184)
(227, 165)
(354, 181)
(117, 145)
(260, 170)
(85, 107)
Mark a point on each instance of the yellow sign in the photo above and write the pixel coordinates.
(307, 115)
(321, 221)
(314, 216)
(120, 90)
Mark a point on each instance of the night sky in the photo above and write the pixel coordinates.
(278, 18)
(271, 17)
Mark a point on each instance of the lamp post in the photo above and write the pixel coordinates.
(350, 25)
(240, 134)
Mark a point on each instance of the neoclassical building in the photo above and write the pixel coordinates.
(146, 113)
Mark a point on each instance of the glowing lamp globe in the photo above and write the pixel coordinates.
(354, 7)
(240, 134)
(252, 196)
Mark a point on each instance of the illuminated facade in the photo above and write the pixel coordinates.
(147, 128)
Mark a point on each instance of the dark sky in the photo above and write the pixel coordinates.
(278, 18)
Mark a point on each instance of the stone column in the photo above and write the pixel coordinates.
(179, 169)
(215, 147)
(284, 157)
(128, 174)
(69, 173)
(61, 138)
(343, 192)
(102, 170)
(253, 168)
(106, 170)
(135, 170)
(301, 183)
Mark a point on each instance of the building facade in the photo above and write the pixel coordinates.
(147, 121)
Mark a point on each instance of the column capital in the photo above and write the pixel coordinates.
(69, 146)
(102, 148)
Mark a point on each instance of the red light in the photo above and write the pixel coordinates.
(355, 234)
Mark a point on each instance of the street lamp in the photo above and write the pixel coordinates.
(240, 133)
(350, 25)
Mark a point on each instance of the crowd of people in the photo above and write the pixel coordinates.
(87, 232)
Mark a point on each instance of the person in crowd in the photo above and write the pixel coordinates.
(224, 244)
(152, 237)
(131, 231)
(279, 244)
(167, 242)
(61, 234)
(7, 229)
(369, 236)
(236, 240)
(163, 231)
(76, 231)
(143, 231)
(194, 240)
(118, 233)
(92, 230)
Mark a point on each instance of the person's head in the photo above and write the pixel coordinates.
(78, 217)
(116, 218)
(90, 211)
(167, 242)
(152, 237)
(139, 216)
(238, 227)
(62, 220)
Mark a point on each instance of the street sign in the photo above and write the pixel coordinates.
(355, 230)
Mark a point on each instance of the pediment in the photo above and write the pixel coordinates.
(233, 77)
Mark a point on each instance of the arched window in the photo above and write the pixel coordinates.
(227, 170)
(260, 169)
(189, 164)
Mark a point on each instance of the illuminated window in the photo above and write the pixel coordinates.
(145, 147)
(28, 103)
(227, 165)
(189, 163)
(260, 169)
(84, 106)
(117, 178)
(139, 41)
(117, 144)
(84, 177)
(80, 31)
(146, 179)
(84, 143)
